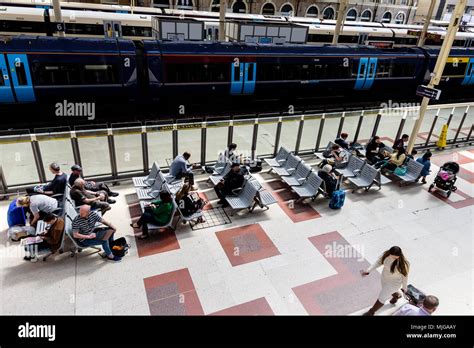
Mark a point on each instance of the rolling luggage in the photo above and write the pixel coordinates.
(16, 215)
(337, 199)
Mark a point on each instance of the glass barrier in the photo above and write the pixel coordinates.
(17, 160)
(189, 139)
(367, 127)
(310, 132)
(243, 133)
(289, 131)
(216, 138)
(266, 140)
(94, 150)
(331, 125)
(160, 144)
(19, 166)
(128, 149)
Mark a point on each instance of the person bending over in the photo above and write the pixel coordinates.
(39, 206)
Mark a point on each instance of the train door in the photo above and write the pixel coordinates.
(237, 78)
(366, 73)
(243, 77)
(249, 78)
(469, 76)
(6, 92)
(21, 77)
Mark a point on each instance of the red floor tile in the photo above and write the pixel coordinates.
(259, 306)
(246, 244)
(172, 293)
(158, 242)
(344, 293)
(297, 212)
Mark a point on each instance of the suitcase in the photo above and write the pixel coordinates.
(16, 215)
(337, 199)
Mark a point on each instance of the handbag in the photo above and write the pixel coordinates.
(400, 171)
(120, 247)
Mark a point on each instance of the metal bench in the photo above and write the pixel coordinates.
(169, 223)
(310, 188)
(414, 169)
(215, 179)
(299, 175)
(152, 192)
(145, 181)
(365, 179)
(353, 167)
(328, 148)
(280, 158)
(245, 199)
(289, 167)
(381, 179)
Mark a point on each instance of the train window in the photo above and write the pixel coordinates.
(402, 69)
(22, 26)
(99, 74)
(184, 73)
(455, 68)
(84, 29)
(250, 73)
(136, 31)
(383, 69)
(21, 74)
(237, 73)
(319, 38)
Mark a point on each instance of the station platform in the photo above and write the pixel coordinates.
(292, 259)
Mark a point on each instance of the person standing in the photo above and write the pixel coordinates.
(426, 161)
(394, 276)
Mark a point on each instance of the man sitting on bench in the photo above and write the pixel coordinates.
(85, 231)
(233, 180)
(97, 200)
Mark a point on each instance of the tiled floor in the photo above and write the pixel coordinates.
(295, 259)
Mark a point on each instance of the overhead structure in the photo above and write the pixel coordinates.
(251, 32)
(422, 39)
(439, 67)
(58, 18)
(341, 15)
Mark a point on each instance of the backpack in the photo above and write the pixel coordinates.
(120, 247)
(15, 215)
(337, 199)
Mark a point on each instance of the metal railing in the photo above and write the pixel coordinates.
(119, 152)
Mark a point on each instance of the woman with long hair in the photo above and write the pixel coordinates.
(189, 203)
(394, 276)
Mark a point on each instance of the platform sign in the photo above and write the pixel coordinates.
(432, 93)
(59, 27)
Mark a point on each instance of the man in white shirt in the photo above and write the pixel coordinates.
(430, 304)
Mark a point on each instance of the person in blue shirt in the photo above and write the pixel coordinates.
(425, 160)
(180, 168)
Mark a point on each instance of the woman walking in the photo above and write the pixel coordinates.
(394, 276)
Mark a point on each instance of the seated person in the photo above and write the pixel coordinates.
(51, 238)
(336, 157)
(396, 160)
(189, 203)
(342, 141)
(56, 186)
(401, 142)
(372, 150)
(86, 232)
(157, 212)
(426, 161)
(39, 206)
(412, 154)
(76, 173)
(233, 180)
(180, 168)
(97, 200)
(430, 304)
(329, 178)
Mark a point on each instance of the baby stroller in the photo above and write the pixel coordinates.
(446, 178)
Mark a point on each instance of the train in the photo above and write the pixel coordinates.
(167, 76)
(137, 26)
